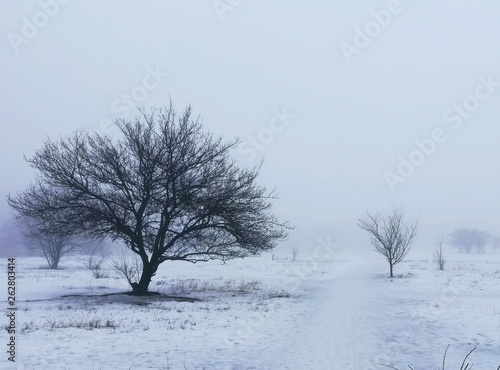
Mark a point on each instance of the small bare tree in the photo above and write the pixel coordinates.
(294, 252)
(438, 253)
(390, 235)
(41, 240)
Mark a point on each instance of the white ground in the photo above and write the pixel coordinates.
(335, 311)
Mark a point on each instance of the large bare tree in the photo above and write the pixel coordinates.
(164, 186)
(390, 235)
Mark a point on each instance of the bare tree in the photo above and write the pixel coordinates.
(390, 235)
(164, 187)
(438, 253)
(469, 240)
(41, 240)
(294, 252)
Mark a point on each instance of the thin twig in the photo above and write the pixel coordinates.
(444, 356)
(463, 363)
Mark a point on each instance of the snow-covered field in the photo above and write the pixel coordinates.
(340, 312)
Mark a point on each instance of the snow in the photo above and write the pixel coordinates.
(340, 312)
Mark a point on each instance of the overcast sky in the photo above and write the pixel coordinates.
(353, 105)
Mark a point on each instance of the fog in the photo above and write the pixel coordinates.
(353, 106)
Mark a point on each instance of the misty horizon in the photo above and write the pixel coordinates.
(352, 107)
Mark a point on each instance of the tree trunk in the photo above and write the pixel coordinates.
(54, 264)
(141, 288)
(391, 268)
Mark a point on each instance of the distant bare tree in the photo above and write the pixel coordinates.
(469, 240)
(438, 253)
(294, 252)
(390, 235)
(41, 240)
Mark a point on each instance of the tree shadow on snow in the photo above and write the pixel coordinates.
(121, 297)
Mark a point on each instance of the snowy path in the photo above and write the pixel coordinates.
(336, 334)
(358, 319)
(333, 331)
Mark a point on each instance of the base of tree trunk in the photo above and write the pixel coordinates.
(140, 293)
(158, 297)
